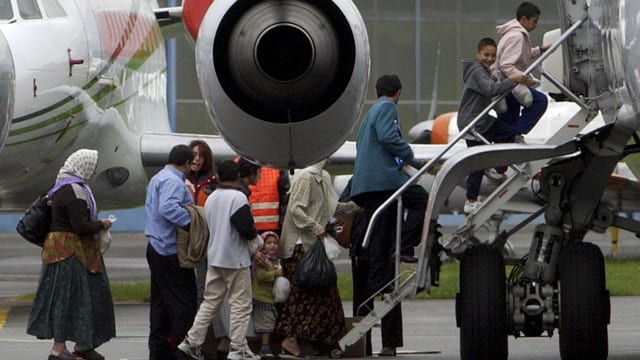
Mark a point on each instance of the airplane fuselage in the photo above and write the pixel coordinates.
(88, 74)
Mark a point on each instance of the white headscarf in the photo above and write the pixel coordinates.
(81, 163)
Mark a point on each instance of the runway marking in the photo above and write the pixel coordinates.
(4, 313)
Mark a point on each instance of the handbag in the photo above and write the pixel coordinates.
(343, 230)
(315, 270)
(35, 224)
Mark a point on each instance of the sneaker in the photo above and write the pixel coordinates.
(193, 351)
(266, 354)
(470, 207)
(242, 354)
(494, 175)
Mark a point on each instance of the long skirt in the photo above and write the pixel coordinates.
(72, 304)
(314, 315)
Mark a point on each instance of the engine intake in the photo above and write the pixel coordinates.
(284, 80)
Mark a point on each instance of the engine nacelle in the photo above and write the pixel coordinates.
(7, 89)
(284, 80)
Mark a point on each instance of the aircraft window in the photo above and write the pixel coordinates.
(6, 12)
(29, 9)
(53, 9)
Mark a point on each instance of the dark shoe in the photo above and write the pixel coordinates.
(62, 355)
(90, 354)
(387, 351)
(221, 355)
(408, 259)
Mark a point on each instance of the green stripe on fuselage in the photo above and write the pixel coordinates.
(60, 117)
(100, 91)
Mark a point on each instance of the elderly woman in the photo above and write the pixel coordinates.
(315, 315)
(73, 301)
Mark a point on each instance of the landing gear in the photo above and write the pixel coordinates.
(481, 305)
(584, 303)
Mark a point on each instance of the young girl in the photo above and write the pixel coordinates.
(264, 313)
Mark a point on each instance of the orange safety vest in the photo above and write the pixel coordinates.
(265, 200)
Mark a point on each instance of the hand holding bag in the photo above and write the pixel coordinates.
(315, 270)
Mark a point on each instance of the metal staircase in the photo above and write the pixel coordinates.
(531, 159)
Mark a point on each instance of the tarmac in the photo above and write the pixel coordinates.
(429, 325)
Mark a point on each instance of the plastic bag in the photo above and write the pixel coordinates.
(105, 235)
(315, 270)
(105, 240)
(331, 247)
(281, 289)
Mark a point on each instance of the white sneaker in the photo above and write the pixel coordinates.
(470, 207)
(494, 175)
(193, 351)
(242, 354)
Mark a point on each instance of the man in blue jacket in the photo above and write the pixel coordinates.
(172, 306)
(381, 153)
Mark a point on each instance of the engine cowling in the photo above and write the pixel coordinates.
(284, 80)
(7, 89)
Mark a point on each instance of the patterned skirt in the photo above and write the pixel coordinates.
(72, 304)
(314, 315)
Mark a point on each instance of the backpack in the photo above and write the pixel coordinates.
(35, 224)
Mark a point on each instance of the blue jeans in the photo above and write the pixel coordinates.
(523, 122)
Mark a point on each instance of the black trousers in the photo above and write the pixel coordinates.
(172, 305)
(414, 200)
(391, 324)
(381, 246)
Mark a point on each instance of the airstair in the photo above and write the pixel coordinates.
(528, 159)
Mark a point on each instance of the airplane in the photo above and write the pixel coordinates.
(560, 284)
(101, 84)
(285, 90)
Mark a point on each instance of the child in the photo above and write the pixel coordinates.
(264, 312)
(479, 89)
(513, 56)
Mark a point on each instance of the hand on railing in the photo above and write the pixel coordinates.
(522, 79)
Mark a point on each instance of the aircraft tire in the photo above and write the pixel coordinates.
(481, 305)
(584, 303)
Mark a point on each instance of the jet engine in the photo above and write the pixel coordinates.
(7, 89)
(284, 81)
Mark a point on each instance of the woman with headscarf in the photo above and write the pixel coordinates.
(73, 301)
(310, 314)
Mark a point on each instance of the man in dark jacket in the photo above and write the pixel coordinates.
(378, 172)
